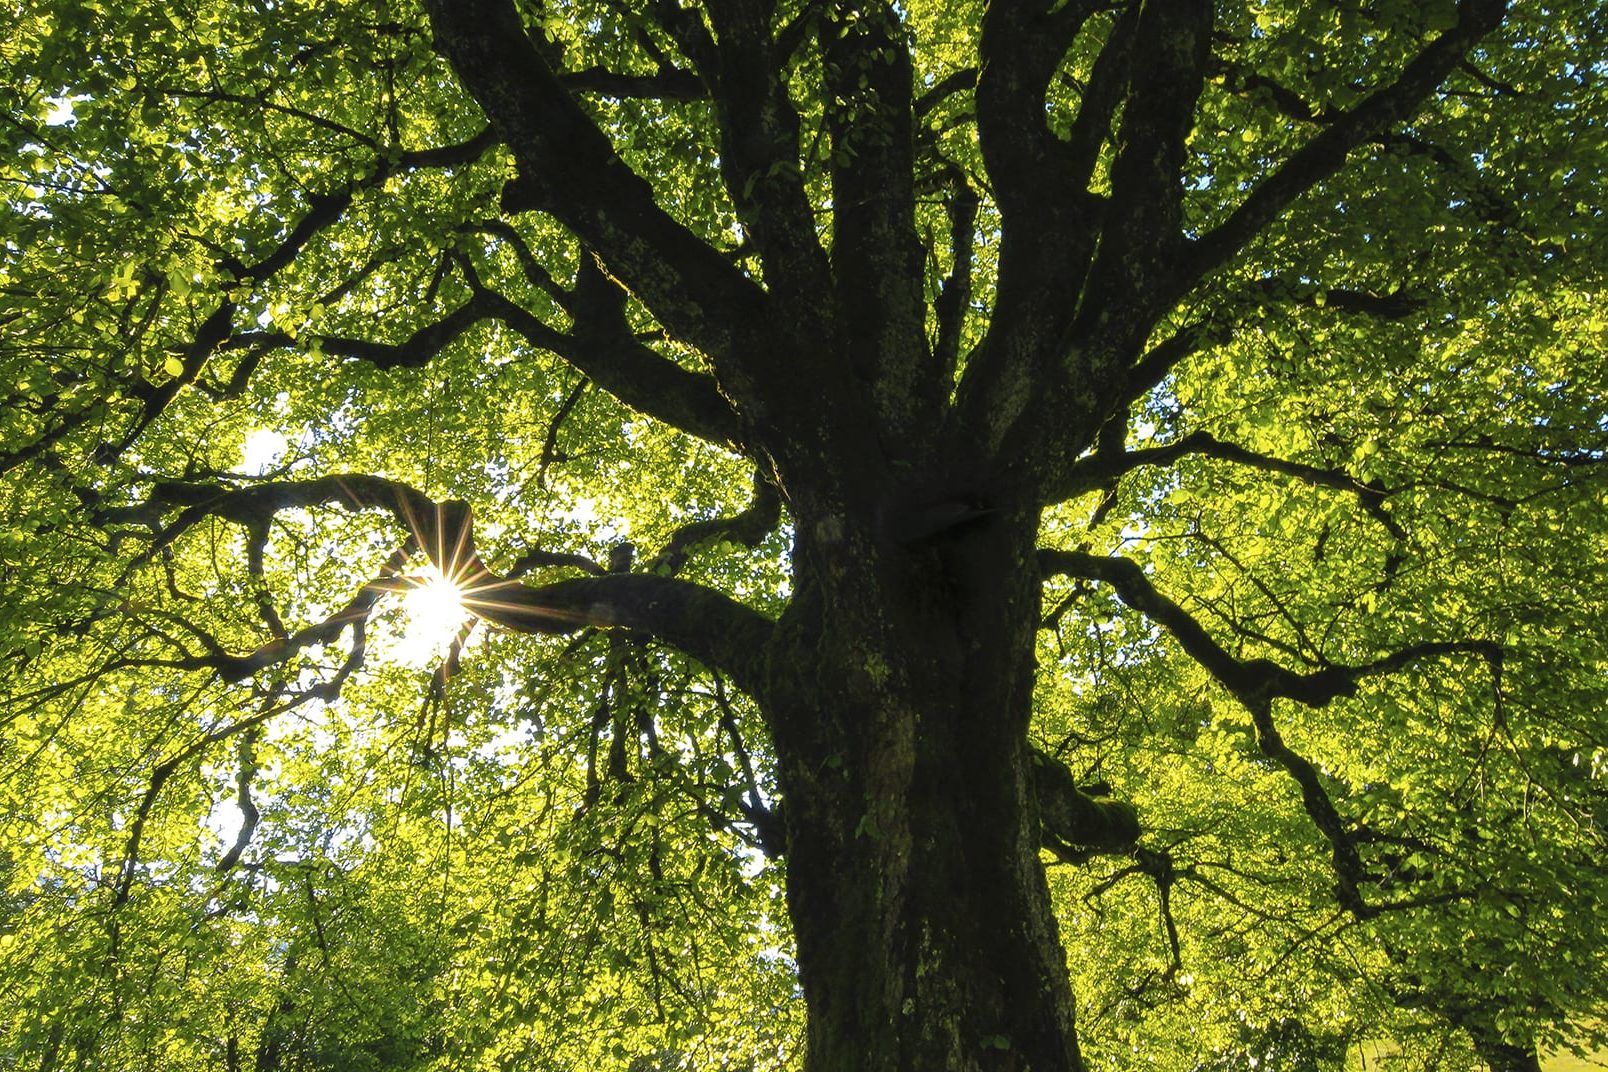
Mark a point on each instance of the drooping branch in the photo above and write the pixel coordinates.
(1255, 680)
(250, 814)
(550, 449)
(1344, 857)
(1097, 469)
(128, 868)
(1256, 683)
(763, 816)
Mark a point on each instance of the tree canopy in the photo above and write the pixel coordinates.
(776, 534)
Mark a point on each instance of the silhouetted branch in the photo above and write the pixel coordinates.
(1326, 152)
(705, 623)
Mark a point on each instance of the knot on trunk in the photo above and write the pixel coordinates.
(1076, 823)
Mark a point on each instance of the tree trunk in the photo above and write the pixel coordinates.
(1499, 1054)
(1506, 1057)
(900, 696)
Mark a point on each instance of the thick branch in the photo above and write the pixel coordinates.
(955, 82)
(704, 623)
(1141, 233)
(759, 156)
(603, 348)
(1049, 233)
(1108, 80)
(568, 167)
(1077, 824)
(877, 259)
(1021, 43)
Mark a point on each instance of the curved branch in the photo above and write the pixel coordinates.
(1252, 681)
(749, 528)
(1257, 683)
(603, 349)
(706, 624)
(1327, 150)
(961, 81)
(1021, 43)
(1100, 468)
(325, 209)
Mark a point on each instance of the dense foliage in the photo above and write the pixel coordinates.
(1233, 371)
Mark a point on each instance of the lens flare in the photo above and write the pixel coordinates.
(433, 614)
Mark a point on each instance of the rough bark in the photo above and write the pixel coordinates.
(900, 693)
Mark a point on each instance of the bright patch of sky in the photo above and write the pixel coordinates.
(583, 512)
(261, 451)
(61, 111)
(432, 615)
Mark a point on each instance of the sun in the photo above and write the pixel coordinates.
(433, 614)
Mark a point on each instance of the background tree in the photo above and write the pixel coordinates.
(881, 449)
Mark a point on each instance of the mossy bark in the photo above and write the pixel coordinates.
(900, 697)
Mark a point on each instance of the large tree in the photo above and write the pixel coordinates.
(884, 449)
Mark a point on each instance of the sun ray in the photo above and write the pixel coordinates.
(434, 614)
